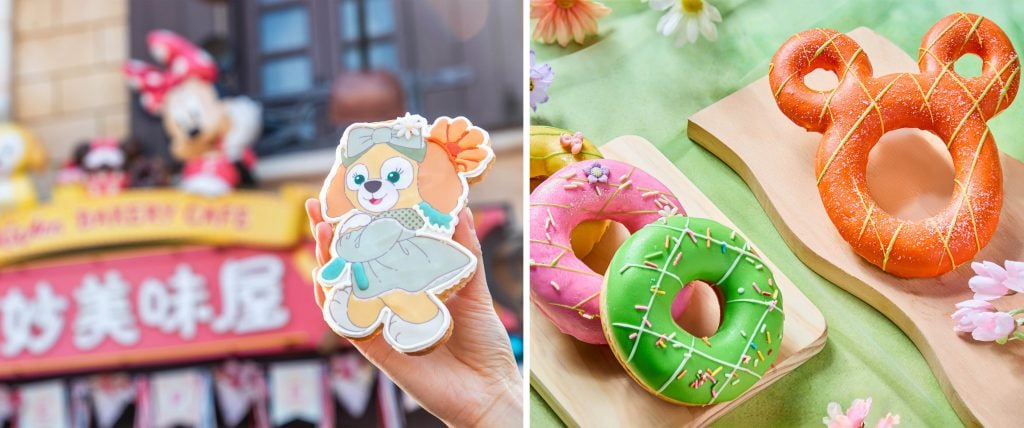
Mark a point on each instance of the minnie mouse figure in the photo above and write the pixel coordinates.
(210, 134)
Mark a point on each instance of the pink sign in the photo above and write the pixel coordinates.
(171, 306)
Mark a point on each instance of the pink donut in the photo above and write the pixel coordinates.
(564, 289)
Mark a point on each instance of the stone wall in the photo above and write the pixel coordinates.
(67, 81)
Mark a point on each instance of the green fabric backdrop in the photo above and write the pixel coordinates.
(630, 80)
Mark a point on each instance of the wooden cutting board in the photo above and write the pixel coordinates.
(983, 381)
(586, 386)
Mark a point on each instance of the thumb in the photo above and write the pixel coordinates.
(465, 234)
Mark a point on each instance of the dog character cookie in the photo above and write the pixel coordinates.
(393, 197)
(854, 116)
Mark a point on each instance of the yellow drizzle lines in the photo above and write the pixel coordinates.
(977, 103)
(963, 196)
(788, 78)
(576, 307)
(582, 154)
(538, 241)
(549, 204)
(970, 209)
(566, 269)
(967, 91)
(554, 263)
(558, 257)
(944, 31)
(971, 32)
(625, 212)
(579, 311)
(927, 104)
(618, 188)
(860, 120)
(825, 45)
(885, 258)
(863, 203)
(845, 70)
(878, 109)
(783, 84)
(1006, 87)
(867, 219)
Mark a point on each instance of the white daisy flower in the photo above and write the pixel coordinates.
(668, 210)
(690, 18)
(409, 125)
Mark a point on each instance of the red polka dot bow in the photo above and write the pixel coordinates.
(182, 60)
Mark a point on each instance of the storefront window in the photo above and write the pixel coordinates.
(287, 54)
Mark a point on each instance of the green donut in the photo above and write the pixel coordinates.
(646, 274)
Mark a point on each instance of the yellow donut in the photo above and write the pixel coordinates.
(547, 155)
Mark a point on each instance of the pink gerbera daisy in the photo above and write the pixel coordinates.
(565, 20)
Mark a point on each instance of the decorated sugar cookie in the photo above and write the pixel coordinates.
(393, 196)
(855, 114)
(649, 270)
(564, 288)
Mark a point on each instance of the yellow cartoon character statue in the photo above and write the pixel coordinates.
(20, 153)
(393, 196)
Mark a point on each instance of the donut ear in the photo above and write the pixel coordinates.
(968, 34)
(333, 197)
(805, 52)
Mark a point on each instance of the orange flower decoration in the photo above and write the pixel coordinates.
(467, 146)
(565, 20)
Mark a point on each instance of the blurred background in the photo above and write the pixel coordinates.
(126, 299)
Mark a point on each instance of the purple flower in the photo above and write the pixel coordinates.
(541, 76)
(596, 173)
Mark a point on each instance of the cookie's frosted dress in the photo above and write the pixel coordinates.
(381, 252)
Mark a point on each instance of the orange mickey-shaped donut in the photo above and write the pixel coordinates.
(854, 116)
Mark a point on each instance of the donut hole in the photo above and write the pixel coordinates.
(910, 174)
(697, 308)
(821, 79)
(968, 66)
(535, 181)
(598, 255)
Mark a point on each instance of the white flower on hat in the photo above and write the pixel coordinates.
(409, 125)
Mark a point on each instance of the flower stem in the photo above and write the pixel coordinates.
(1016, 311)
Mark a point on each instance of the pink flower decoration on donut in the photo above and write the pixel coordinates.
(572, 142)
(564, 289)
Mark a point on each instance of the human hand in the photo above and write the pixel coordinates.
(469, 380)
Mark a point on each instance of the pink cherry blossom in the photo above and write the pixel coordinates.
(965, 311)
(991, 326)
(855, 415)
(1014, 276)
(989, 281)
(572, 142)
(890, 420)
(859, 410)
